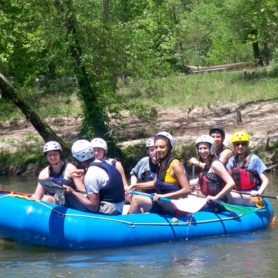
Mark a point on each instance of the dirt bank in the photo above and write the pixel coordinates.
(260, 119)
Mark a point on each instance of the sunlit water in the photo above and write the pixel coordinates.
(249, 255)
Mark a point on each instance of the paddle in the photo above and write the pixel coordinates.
(53, 187)
(262, 195)
(190, 204)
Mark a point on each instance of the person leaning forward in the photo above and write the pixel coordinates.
(103, 183)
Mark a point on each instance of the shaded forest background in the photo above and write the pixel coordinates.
(84, 50)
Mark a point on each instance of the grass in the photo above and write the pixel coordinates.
(207, 89)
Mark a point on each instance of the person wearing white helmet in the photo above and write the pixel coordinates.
(58, 172)
(247, 170)
(214, 181)
(101, 152)
(146, 167)
(170, 180)
(103, 182)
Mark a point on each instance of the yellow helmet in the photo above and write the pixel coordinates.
(240, 136)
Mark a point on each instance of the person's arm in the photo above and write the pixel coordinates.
(197, 163)
(219, 169)
(91, 202)
(120, 168)
(40, 191)
(225, 155)
(142, 185)
(77, 175)
(133, 180)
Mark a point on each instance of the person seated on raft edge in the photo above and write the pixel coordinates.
(146, 168)
(247, 170)
(170, 181)
(214, 182)
(100, 152)
(58, 171)
(222, 152)
(103, 183)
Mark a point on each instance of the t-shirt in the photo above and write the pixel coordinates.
(142, 166)
(254, 164)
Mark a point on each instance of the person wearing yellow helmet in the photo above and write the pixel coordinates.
(170, 180)
(247, 169)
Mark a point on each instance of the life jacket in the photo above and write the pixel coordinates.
(113, 192)
(59, 178)
(210, 183)
(244, 178)
(150, 174)
(165, 183)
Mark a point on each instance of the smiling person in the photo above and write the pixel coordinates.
(146, 168)
(247, 169)
(101, 152)
(214, 181)
(170, 180)
(58, 171)
(222, 152)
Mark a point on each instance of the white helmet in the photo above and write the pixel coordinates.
(99, 143)
(206, 139)
(52, 146)
(82, 150)
(150, 143)
(168, 136)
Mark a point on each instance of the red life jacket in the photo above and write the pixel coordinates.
(244, 179)
(210, 183)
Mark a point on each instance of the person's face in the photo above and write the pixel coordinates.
(99, 153)
(53, 157)
(151, 152)
(203, 150)
(217, 138)
(161, 148)
(240, 147)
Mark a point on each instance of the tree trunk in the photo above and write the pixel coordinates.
(257, 55)
(95, 117)
(46, 132)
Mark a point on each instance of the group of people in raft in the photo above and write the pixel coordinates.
(100, 186)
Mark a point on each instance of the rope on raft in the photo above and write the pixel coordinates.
(175, 221)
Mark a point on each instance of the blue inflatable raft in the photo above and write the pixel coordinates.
(38, 223)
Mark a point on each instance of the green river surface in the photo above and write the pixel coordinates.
(247, 255)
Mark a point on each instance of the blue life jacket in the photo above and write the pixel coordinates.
(113, 192)
(59, 178)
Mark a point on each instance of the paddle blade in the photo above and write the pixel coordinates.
(190, 204)
(238, 209)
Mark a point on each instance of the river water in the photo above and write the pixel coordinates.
(248, 255)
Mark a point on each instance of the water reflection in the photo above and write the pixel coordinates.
(249, 255)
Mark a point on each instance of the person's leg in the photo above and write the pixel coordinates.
(139, 204)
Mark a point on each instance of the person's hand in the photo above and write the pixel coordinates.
(211, 198)
(156, 197)
(78, 173)
(254, 193)
(68, 189)
(193, 161)
(132, 187)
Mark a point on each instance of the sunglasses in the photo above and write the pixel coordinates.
(243, 144)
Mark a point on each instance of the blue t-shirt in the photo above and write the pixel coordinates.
(254, 164)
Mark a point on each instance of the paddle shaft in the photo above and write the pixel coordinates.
(263, 195)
